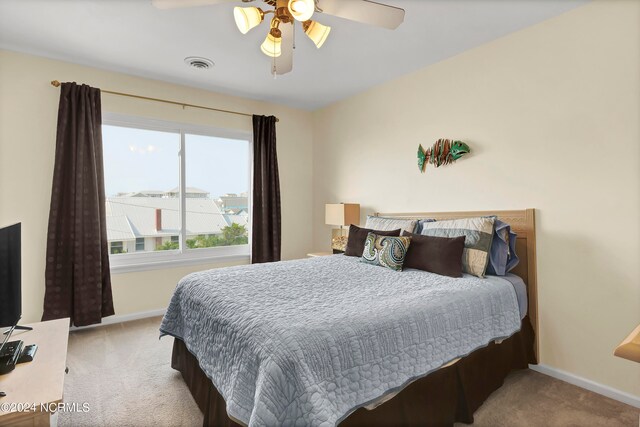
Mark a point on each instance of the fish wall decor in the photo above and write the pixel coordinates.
(443, 152)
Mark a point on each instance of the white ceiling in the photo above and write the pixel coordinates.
(133, 37)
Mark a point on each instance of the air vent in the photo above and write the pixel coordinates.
(198, 62)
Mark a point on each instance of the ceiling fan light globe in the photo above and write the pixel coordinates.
(301, 10)
(247, 18)
(317, 32)
(272, 46)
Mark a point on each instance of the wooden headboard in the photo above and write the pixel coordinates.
(523, 223)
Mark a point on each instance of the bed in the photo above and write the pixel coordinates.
(330, 340)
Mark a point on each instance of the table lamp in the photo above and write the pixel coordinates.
(341, 214)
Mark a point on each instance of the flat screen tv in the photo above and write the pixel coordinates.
(10, 275)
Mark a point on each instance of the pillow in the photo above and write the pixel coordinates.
(502, 256)
(385, 223)
(420, 222)
(357, 236)
(440, 255)
(478, 234)
(386, 251)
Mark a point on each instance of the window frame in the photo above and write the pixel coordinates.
(141, 261)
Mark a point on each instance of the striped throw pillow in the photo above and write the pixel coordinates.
(478, 234)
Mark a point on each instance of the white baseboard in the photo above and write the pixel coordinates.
(593, 386)
(122, 318)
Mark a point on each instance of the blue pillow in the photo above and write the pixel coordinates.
(502, 256)
(419, 224)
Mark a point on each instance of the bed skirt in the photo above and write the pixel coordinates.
(445, 396)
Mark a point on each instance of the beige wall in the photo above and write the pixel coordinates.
(552, 117)
(28, 112)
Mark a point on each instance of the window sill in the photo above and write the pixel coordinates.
(148, 265)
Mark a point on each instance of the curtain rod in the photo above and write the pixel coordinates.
(56, 83)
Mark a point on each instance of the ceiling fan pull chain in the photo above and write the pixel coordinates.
(294, 34)
(273, 69)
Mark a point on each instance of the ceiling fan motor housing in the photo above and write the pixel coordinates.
(282, 12)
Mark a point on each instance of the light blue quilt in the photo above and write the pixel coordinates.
(306, 342)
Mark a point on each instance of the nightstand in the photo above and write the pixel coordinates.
(315, 254)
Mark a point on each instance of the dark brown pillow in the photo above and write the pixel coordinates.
(357, 237)
(440, 255)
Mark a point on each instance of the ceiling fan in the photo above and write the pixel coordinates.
(279, 43)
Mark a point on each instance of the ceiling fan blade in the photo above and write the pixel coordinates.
(179, 4)
(284, 63)
(364, 11)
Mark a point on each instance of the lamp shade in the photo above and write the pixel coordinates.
(272, 46)
(342, 214)
(247, 18)
(317, 32)
(301, 10)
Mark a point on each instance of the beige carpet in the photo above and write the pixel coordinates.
(123, 372)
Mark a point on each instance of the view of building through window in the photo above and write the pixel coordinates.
(142, 185)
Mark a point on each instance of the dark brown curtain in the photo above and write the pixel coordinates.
(265, 243)
(78, 283)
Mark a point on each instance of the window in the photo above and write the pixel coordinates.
(217, 161)
(176, 193)
(116, 247)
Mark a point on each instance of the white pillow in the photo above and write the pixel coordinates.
(387, 224)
